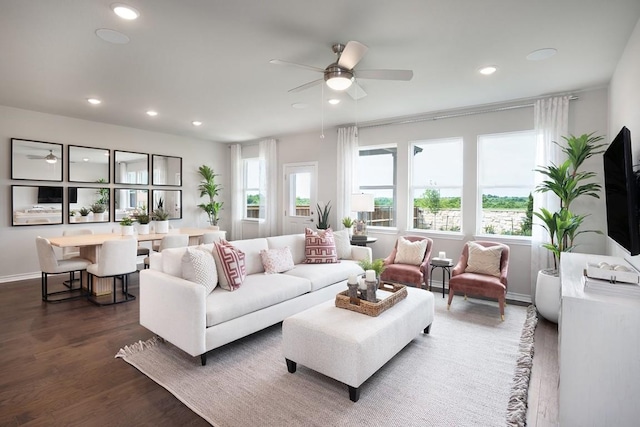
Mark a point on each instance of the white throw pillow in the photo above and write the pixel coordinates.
(484, 260)
(198, 266)
(409, 252)
(276, 260)
(343, 244)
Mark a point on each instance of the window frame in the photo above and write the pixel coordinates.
(374, 150)
(246, 190)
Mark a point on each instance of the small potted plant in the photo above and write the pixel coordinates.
(98, 210)
(72, 215)
(84, 212)
(161, 218)
(143, 220)
(126, 226)
(348, 223)
(323, 216)
(376, 265)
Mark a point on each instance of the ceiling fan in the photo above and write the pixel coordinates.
(341, 75)
(49, 158)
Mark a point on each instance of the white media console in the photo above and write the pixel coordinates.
(599, 351)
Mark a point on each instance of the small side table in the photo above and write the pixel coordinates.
(445, 268)
(364, 242)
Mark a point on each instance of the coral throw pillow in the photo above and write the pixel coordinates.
(319, 247)
(230, 262)
(409, 252)
(276, 260)
(484, 260)
(199, 266)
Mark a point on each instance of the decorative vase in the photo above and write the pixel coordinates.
(127, 230)
(143, 229)
(214, 227)
(83, 218)
(162, 227)
(98, 217)
(548, 293)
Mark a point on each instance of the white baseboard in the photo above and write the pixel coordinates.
(16, 277)
(519, 297)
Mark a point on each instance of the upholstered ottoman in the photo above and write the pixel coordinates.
(349, 346)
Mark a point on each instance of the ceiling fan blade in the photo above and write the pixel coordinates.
(34, 157)
(293, 64)
(352, 54)
(405, 75)
(355, 91)
(305, 86)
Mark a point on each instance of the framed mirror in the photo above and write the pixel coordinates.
(169, 200)
(36, 205)
(36, 160)
(131, 168)
(88, 164)
(128, 201)
(167, 170)
(88, 204)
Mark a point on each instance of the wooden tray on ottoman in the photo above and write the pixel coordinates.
(398, 293)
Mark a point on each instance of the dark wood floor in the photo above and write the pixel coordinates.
(57, 366)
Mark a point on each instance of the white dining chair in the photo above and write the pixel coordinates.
(74, 251)
(213, 236)
(50, 264)
(170, 241)
(117, 260)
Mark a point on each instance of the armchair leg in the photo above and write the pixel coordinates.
(451, 293)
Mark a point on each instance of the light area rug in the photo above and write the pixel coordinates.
(461, 374)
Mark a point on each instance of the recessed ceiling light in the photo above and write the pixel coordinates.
(196, 123)
(334, 101)
(112, 36)
(299, 105)
(94, 101)
(152, 113)
(85, 159)
(124, 11)
(488, 70)
(540, 54)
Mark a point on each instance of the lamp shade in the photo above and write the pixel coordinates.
(362, 203)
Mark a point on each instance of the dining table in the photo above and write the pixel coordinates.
(90, 245)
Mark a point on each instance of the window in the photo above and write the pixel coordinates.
(436, 184)
(253, 202)
(377, 170)
(506, 164)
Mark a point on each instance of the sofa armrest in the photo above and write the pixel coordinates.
(359, 253)
(174, 309)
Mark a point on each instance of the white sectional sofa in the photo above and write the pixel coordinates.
(182, 313)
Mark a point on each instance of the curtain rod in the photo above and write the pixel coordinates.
(451, 115)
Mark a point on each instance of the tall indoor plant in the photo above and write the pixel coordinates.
(568, 183)
(209, 188)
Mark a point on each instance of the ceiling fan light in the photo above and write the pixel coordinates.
(339, 83)
(51, 158)
(338, 78)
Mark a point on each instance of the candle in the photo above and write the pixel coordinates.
(442, 255)
(362, 285)
(370, 275)
(353, 280)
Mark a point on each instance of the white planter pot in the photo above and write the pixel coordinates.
(127, 230)
(214, 227)
(72, 219)
(98, 217)
(83, 219)
(162, 227)
(143, 229)
(548, 295)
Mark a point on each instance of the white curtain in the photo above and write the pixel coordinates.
(347, 170)
(551, 118)
(268, 225)
(236, 192)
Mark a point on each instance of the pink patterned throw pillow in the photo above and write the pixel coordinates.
(231, 262)
(319, 247)
(276, 260)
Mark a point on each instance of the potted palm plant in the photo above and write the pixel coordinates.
(209, 188)
(568, 183)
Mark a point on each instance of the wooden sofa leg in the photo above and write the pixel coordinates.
(501, 303)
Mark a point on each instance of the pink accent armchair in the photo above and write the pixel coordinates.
(414, 275)
(480, 284)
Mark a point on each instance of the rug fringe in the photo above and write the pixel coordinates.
(517, 407)
(136, 347)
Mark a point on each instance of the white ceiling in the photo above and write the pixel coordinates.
(208, 60)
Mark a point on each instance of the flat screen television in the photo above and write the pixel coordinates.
(49, 194)
(73, 194)
(621, 192)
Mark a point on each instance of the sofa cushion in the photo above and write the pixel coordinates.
(295, 242)
(484, 260)
(172, 261)
(322, 275)
(343, 244)
(320, 248)
(198, 266)
(257, 292)
(251, 249)
(276, 260)
(230, 262)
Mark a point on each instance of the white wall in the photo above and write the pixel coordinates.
(624, 109)
(19, 258)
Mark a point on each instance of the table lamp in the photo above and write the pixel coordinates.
(361, 203)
